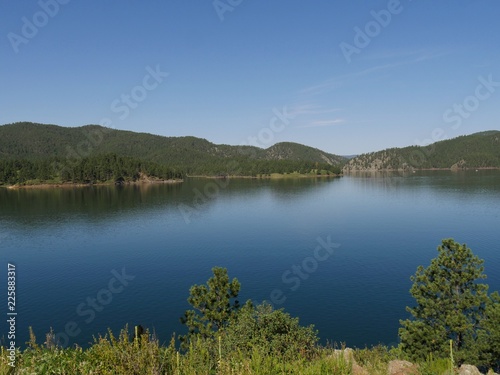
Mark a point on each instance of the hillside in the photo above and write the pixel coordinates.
(192, 156)
(189, 155)
(34, 141)
(479, 150)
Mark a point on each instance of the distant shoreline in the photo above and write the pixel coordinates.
(271, 176)
(421, 169)
(80, 185)
(143, 182)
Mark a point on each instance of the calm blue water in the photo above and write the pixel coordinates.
(66, 243)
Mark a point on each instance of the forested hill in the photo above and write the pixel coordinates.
(35, 142)
(81, 152)
(479, 150)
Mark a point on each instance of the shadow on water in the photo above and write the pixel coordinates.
(96, 203)
(91, 200)
(32, 207)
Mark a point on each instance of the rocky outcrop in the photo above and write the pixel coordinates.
(468, 370)
(462, 164)
(398, 367)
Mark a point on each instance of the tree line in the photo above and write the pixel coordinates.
(95, 169)
(255, 167)
(111, 168)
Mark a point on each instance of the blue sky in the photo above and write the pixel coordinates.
(343, 76)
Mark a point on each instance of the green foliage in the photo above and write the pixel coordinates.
(435, 366)
(270, 332)
(124, 355)
(480, 150)
(127, 355)
(214, 305)
(298, 152)
(74, 151)
(375, 359)
(450, 305)
(218, 325)
(95, 169)
(489, 334)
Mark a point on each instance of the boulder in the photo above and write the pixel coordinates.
(468, 370)
(398, 367)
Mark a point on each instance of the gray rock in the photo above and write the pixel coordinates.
(468, 370)
(398, 367)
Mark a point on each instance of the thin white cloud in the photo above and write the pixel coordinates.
(409, 56)
(390, 54)
(311, 109)
(329, 84)
(322, 123)
(339, 81)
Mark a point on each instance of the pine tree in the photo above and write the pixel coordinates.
(489, 334)
(214, 305)
(450, 305)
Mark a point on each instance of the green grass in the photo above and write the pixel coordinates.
(123, 354)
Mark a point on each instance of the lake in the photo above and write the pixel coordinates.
(337, 252)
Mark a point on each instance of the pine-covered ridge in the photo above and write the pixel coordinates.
(26, 143)
(479, 150)
(37, 154)
(24, 140)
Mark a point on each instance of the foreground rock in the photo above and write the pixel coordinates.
(468, 370)
(398, 367)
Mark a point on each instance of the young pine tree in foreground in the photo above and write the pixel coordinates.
(214, 305)
(451, 303)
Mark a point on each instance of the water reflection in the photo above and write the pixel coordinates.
(29, 206)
